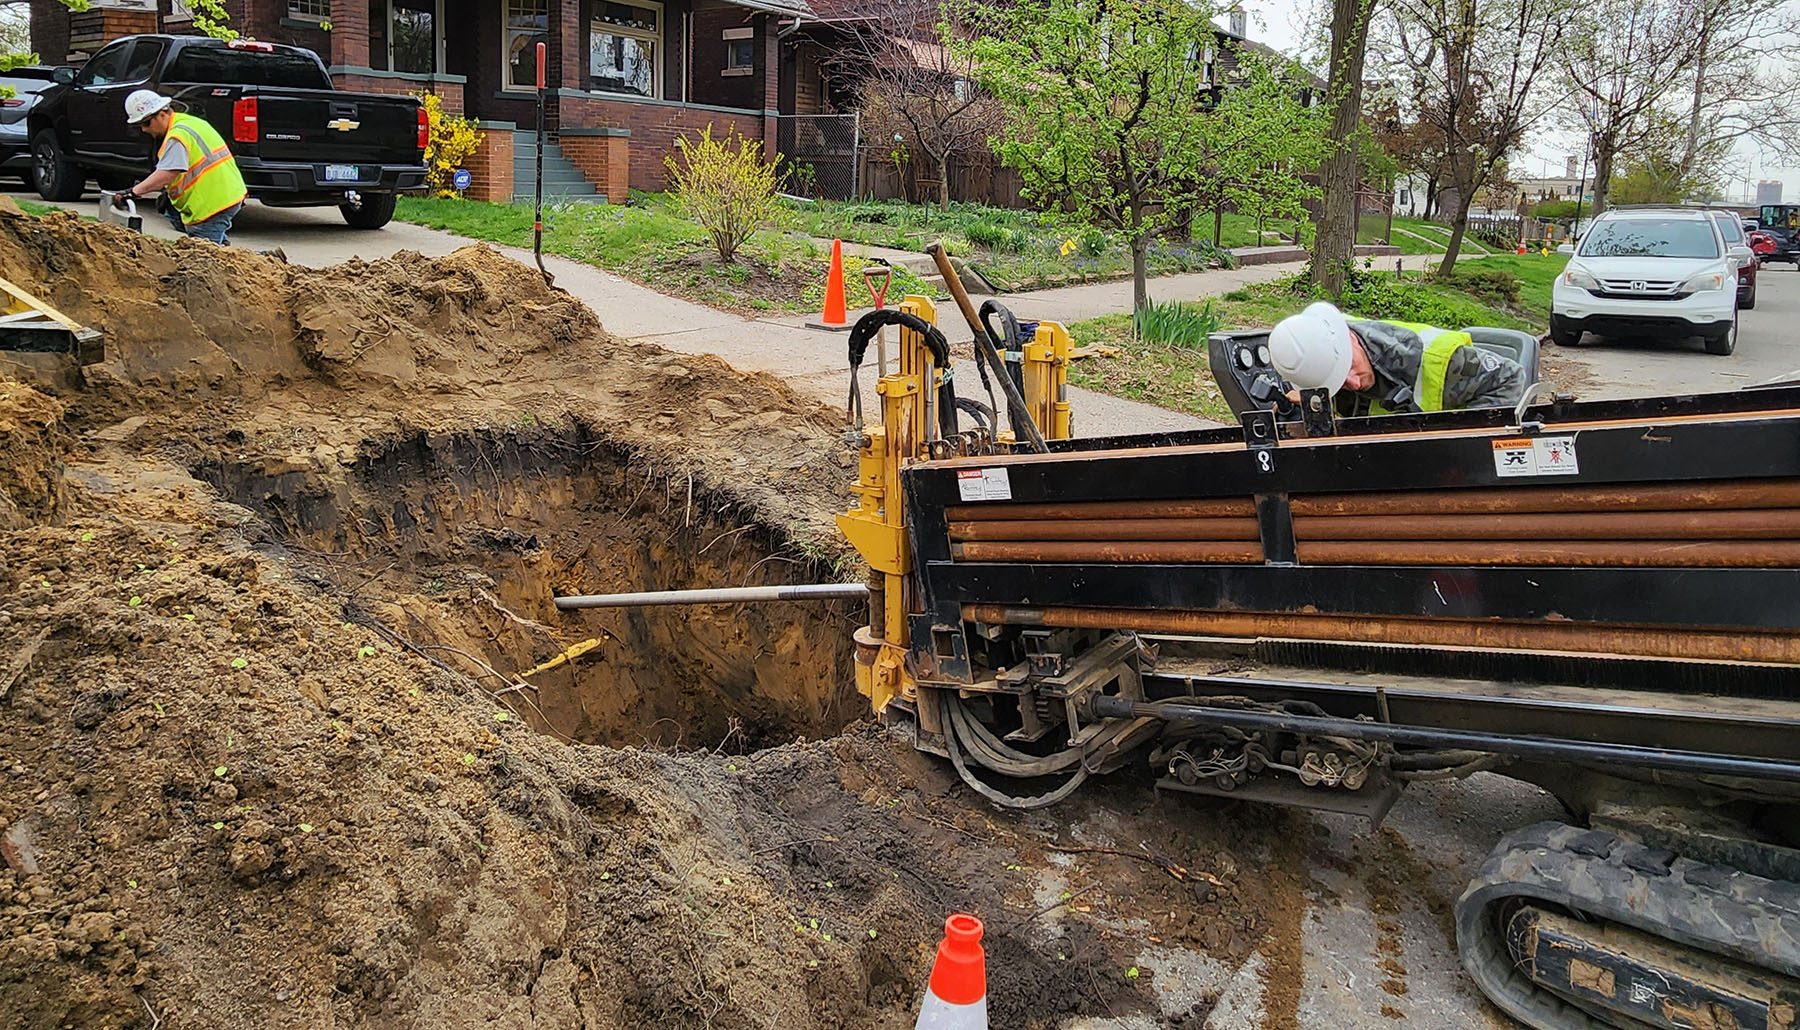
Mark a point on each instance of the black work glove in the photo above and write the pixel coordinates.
(120, 200)
(163, 206)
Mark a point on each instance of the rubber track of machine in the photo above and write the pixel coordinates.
(1609, 877)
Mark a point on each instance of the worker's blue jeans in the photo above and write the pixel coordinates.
(213, 228)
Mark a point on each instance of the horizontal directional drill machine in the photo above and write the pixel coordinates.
(1601, 598)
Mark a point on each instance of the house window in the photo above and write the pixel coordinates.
(315, 10)
(740, 51)
(406, 36)
(625, 47)
(527, 25)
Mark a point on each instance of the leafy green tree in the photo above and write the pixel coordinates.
(1103, 112)
(1258, 140)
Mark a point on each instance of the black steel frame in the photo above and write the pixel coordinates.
(1644, 448)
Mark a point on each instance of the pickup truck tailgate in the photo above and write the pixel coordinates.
(321, 128)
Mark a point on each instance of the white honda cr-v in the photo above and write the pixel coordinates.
(1661, 271)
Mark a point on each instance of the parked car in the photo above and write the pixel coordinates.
(1657, 271)
(298, 141)
(26, 83)
(1731, 229)
(1782, 222)
(1761, 243)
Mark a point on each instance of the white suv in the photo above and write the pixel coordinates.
(1649, 271)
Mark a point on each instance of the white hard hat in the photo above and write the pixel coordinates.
(142, 103)
(1312, 349)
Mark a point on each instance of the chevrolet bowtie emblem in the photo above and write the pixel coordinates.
(342, 124)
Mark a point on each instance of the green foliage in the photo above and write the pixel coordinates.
(1175, 324)
(1100, 107)
(1492, 286)
(725, 185)
(211, 18)
(449, 141)
(1555, 209)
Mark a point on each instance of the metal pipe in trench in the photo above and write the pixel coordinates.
(722, 595)
(1739, 646)
(1548, 748)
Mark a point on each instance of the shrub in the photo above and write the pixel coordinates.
(1553, 209)
(1175, 324)
(449, 140)
(725, 185)
(1381, 296)
(1489, 285)
(989, 233)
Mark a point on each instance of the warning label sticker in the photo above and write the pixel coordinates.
(1535, 456)
(983, 485)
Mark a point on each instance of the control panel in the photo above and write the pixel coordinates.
(1246, 375)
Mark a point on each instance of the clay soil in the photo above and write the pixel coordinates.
(273, 581)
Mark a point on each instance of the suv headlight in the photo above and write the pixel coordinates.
(1714, 280)
(1575, 275)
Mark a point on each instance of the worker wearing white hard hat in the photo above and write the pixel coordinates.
(1380, 368)
(193, 164)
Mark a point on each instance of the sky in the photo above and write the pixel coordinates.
(1291, 26)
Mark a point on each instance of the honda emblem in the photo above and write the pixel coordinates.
(1639, 285)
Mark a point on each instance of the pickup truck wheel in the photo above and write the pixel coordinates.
(52, 173)
(1723, 343)
(375, 211)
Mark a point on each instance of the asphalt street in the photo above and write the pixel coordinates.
(1766, 350)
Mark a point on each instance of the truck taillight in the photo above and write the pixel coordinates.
(243, 121)
(424, 127)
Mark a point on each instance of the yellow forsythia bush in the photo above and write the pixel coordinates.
(725, 185)
(448, 143)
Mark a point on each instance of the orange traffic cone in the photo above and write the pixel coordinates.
(833, 315)
(1521, 246)
(957, 996)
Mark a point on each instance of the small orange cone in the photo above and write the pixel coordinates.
(833, 315)
(1521, 246)
(957, 996)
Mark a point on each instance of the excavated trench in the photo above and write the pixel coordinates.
(458, 543)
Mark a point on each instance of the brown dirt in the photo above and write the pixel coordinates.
(268, 578)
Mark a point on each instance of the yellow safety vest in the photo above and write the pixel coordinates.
(1440, 346)
(212, 181)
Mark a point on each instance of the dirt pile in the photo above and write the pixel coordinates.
(269, 583)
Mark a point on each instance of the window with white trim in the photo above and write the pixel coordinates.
(740, 51)
(527, 25)
(625, 48)
(314, 10)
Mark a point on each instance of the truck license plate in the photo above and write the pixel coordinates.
(342, 173)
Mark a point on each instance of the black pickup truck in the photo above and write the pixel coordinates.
(298, 141)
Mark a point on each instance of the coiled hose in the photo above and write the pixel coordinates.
(961, 728)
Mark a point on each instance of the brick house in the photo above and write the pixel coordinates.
(628, 76)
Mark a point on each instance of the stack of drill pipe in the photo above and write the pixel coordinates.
(1745, 524)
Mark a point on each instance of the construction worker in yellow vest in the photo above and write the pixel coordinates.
(1385, 368)
(205, 188)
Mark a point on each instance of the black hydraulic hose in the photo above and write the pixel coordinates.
(1017, 411)
(1008, 340)
(1693, 762)
(865, 329)
(990, 751)
(998, 797)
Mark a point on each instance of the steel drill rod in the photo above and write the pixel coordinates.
(1214, 507)
(1683, 554)
(1759, 524)
(1155, 551)
(1108, 530)
(1688, 496)
(1546, 748)
(720, 595)
(1740, 646)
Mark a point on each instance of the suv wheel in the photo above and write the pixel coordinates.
(1748, 300)
(373, 211)
(1562, 334)
(1723, 343)
(53, 175)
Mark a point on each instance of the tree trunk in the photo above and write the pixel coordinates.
(1457, 232)
(1140, 271)
(1603, 163)
(1335, 241)
(1691, 153)
(1219, 224)
(943, 164)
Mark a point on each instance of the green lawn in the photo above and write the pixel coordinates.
(1509, 291)
(776, 271)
